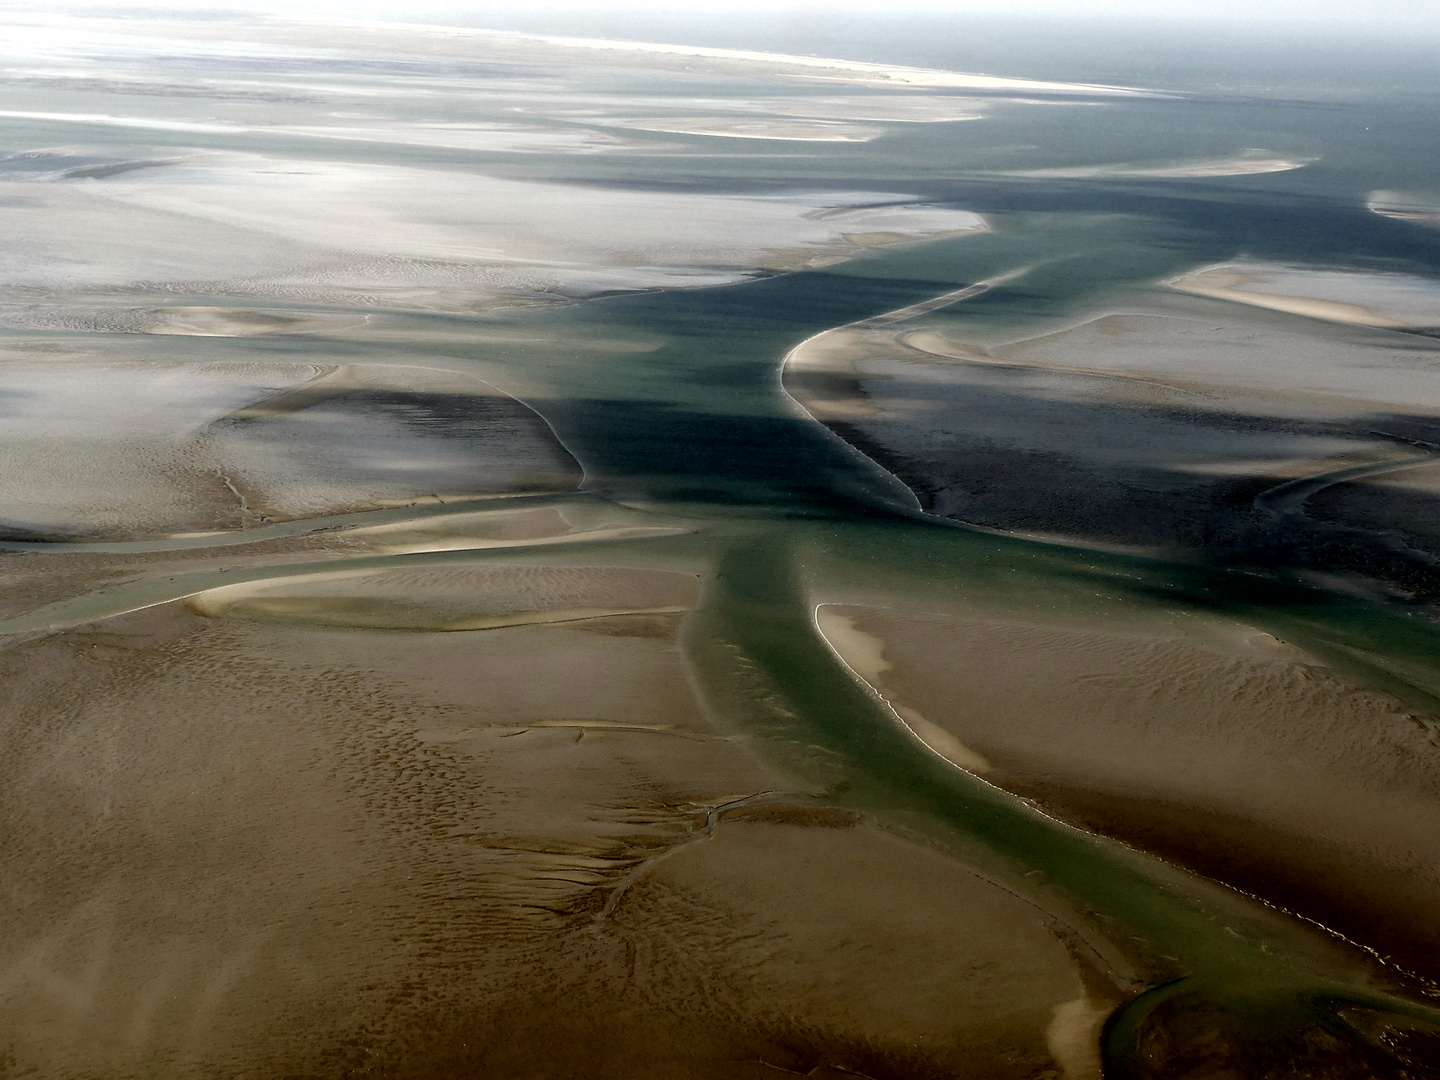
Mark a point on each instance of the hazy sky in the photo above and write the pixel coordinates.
(1356, 12)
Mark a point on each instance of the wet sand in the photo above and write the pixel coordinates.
(1254, 164)
(411, 660)
(1237, 756)
(128, 449)
(1157, 428)
(503, 850)
(725, 127)
(1383, 301)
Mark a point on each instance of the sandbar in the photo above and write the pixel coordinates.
(1382, 301)
(1316, 795)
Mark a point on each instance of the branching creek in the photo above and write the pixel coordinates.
(778, 516)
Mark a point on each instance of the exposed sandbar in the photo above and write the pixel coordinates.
(1421, 209)
(1243, 759)
(126, 448)
(1383, 301)
(1157, 429)
(1252, 164)
(727, 127)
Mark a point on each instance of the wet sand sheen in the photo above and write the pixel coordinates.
(124, 448)
(1251, 764)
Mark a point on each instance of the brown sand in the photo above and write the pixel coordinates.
(245, 847)
(1243, 760)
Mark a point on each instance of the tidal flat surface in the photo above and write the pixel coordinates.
(541, 557)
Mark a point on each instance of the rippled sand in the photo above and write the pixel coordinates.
(520, 849)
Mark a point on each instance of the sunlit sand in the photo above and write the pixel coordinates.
(1422, 210)
(1253, 164)
(1098, 724)
(743, 128)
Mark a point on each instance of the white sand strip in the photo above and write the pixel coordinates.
(864, 654)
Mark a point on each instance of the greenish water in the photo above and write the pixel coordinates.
(672, 404)
(698, 426)
(694, 430)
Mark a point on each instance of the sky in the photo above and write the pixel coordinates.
(1412, 13)
(1392, 45)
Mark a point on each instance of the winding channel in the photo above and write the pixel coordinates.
(789, 515)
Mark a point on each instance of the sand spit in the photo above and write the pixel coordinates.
(33, 30)
(1422, 210)
(1317, 796)
(864, 654)
(727, 127)
(832, 69)
(823, 372)
(509, 46)
(1383, 301)
(393, 851)
(448, 599)
(1252, 163)
(470, 530)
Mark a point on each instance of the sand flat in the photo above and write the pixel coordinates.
(452, 598)
(284, 221)
(528, 236)
(122, 447)
(1172, 417)
(912, 108)
(1127, 732)
(959, 954)
(1250, 164)
(1236, 364)
(380, 812)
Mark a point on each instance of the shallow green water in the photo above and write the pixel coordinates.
(699, 422)
(689, 426)
(697, 432)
